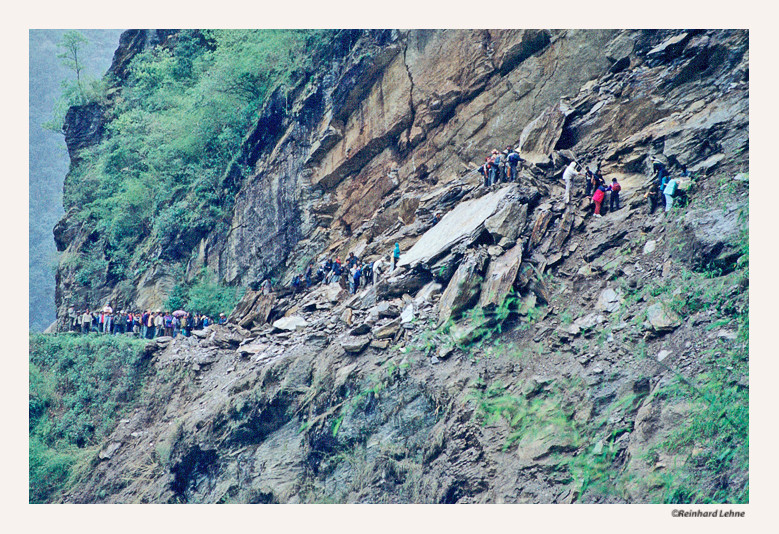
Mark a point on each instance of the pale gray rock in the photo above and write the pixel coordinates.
(463, 224)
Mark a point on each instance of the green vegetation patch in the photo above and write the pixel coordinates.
(168, 159)
(79, 388)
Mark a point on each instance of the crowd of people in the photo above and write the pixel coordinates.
(147, 325)
(501, 167)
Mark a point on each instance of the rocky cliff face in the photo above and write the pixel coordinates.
(364, 401)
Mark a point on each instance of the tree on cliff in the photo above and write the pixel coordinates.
(72, 44)
(86, 88)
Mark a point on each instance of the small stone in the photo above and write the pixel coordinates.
(661, 318)
(355, 345)
(650, 246)
(408, 314)
(494, 251)
(380, 343)
(388, 330)
(727, 334)
(346, 316)
(662, 355)
(292, 323)
(360, 330)
(109, 451)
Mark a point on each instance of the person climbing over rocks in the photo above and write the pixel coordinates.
(669, 192)
(570, 171)
(378, 268)
(395, 256)
(652, 194)
(597, 198)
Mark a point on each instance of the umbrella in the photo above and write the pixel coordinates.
(179, 313)
(108, 309)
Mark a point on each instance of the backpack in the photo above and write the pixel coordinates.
(513, 158)
(672, 184)
(616, 187)
(497, 159)
(598, 196)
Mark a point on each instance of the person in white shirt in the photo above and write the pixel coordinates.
(568, 174)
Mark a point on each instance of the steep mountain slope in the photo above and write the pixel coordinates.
(524, 351)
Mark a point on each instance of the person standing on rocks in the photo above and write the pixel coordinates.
(485, 171)
(615, 188)
(395, 256)
(589, 181)
(86, 322)
(158, 324)
(568, 175)
(494, 162)
(168, 324)
(514, 159)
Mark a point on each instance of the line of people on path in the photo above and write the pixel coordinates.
(147, 325)
(501, 167)
(352, 275)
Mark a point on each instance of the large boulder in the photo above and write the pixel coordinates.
(600, 242)
(540, 136)
(464, 223)
(463, 288)
(500, 278)
(507, 223)
(711, 239)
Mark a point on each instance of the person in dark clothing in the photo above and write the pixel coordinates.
(308, 275)
(652, 194)
(514, 160)
(295, 285)
(588, 181)
(485, 171)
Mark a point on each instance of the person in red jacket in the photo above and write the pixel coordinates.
(615, 188)
(597, 198)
